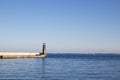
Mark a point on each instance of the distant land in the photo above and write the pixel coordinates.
(81, 53)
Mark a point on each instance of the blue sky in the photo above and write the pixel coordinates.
(82, 26)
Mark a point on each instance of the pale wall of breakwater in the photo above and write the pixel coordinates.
(12, 55)
(7, 55)
(18, 53)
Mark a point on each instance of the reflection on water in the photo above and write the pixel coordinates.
(43, 68)
(22, 69)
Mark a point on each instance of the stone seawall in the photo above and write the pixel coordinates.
(11, 55)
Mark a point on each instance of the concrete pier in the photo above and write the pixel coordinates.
(12, 55)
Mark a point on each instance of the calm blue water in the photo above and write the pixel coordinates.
(62, 67)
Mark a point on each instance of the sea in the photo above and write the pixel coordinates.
(62, 67)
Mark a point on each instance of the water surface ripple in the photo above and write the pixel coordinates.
(62, 67)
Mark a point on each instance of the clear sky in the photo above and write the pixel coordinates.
(64, 25)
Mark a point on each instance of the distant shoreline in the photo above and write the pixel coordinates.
(87, 53)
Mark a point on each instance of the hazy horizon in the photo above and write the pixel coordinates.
(75, 26)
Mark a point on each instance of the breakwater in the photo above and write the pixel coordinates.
(10, 55)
